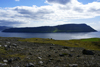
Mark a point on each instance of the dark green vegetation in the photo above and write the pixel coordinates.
(53, 29)
(92, 43)
(39, 52)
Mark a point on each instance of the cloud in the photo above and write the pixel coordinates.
(56, 12)
(98, 0)
(17, 0)
(4, 22)
(31, 12)
(63, 2)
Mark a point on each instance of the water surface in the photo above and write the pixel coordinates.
(57, 36)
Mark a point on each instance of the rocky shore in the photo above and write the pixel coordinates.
(14, 53)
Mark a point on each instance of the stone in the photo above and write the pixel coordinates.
(30, 65)
(40, 58)
(41, 62)
(65, 47)
(10, 60)
(70, 55)
(8, 42)
(49, 55)
(5, 45)
(73, 65)
(0, 45)
(78, 55)
(9, 46)
(72, 50)
(87, 52)
(3, 64)
(51, 47)
(5, 61)
(61, 55)
(30, 53)
(17, 58)
(15, 45)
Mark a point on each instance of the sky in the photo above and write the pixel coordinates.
(33, 13)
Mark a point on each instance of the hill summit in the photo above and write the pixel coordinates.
(53, 29)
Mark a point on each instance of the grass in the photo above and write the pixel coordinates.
(92, 43)
(91, 39)
(7, 54)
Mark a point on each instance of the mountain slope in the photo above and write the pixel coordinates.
(53, 29)
(3, 28)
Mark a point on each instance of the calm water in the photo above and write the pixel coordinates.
(57, 36)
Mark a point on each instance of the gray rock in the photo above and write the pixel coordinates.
(73, 65)
(3, 64)
(41, 62)
(7, 42)
(15, 45)
(5, 45)
(72, 50)
(40, 58)
(5, 61)
(30, 65)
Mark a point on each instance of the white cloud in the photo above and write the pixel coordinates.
(98, 0)
(56, 12)
(95, 25)
(63, 2)
(17, 0)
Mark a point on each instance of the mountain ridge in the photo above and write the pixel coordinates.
(53, 29)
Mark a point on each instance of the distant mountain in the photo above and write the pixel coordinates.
(3, 28)
(53, 29)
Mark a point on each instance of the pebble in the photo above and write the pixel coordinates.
(40, 58)
(5, 45)
(72, 50)
(73, 65)
(41, 62)
(8, 42)
(15, 45)
(29, 65)
(3, 64)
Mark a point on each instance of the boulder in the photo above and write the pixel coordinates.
(65, 47)
(87, 52)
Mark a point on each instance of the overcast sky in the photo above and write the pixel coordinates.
(32, 13)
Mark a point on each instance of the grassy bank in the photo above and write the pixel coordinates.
(92, 43)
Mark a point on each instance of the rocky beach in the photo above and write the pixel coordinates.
(15, 53)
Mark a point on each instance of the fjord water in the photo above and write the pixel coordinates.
(57, 36)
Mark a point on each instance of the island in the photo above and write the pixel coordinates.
(66, 28)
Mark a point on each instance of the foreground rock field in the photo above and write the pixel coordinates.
(14, 53)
